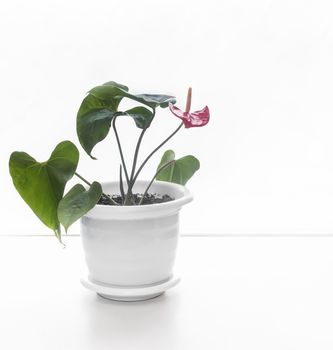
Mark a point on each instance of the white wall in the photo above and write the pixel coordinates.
(263, 67)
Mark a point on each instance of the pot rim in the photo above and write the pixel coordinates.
(185, 198)
(182, 194)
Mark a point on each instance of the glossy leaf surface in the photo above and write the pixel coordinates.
(179, 171)
(42, 185)
(141, 115)
(109, 92)
(97, 110)
(93, 127)
(77, 202)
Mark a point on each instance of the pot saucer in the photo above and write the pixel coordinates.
(119, 293)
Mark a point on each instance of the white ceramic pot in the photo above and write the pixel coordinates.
(130, 247)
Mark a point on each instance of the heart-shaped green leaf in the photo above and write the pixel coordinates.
(179, 171)
(77, 202)
(93, 127)
(42, 185)
(95, 114)
(141, 115)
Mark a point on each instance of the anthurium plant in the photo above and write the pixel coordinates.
(42, 184)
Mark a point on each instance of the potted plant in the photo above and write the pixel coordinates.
(129, 227)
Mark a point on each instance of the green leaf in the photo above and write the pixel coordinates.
(95, 114)
(42, 185)
(91, 103)
(93, 127)
(98, 108)
(113, 91)
(141, 115)
(113, 83)
(167, 157)
(153, 100)
(180, 171)
(77, 202)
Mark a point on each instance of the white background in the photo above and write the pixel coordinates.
(263, 67)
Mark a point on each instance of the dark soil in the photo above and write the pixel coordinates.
(149, 199)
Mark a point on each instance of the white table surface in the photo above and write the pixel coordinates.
(236, 293)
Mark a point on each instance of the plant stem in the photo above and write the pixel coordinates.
(153, 152)
(135, 159)
(83, 179)
(136, 153)
(89, 184)
(154, 177)
(120, 149)
(121, 185)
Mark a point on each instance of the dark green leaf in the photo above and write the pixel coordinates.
(113, 91)
(142, 116)
(109, 92)
(97, 110)
(167, 157)
(95, 114)
(77, 202)
(156, 100)
(180, 171)
(42, 185)
(113, 83)
(92, 103)
(93, 127)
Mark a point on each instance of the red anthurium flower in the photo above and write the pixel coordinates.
(193, 119)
